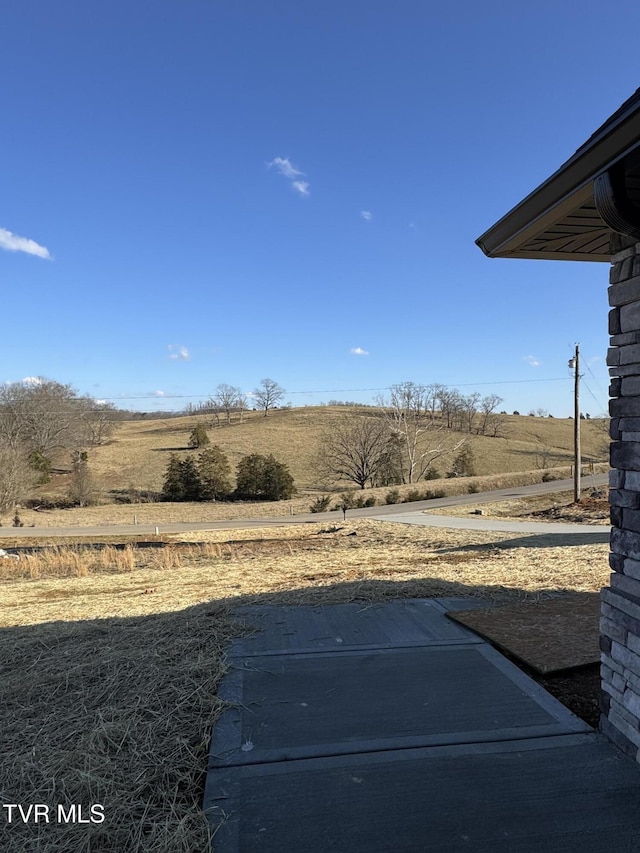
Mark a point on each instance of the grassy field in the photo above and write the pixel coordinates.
(138, 454)
(111, 660)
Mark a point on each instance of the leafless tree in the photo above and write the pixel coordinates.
(355, 449)
(491, 421)
(226, 399)
(81, 487)
(451, 405)
(469, 407)
(99, 422)
(44, 416)
(268, 394)
(17, 477)
(408, 412)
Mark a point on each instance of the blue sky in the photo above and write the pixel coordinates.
(207, 191)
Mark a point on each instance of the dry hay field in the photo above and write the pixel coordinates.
(137, 455)
(111, 659)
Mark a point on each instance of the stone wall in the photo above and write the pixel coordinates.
(620, 608)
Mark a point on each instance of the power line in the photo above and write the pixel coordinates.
(598, 402)
(335, 390)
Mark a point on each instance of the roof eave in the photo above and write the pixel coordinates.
(566, 190)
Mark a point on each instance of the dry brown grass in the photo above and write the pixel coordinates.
(170, 513)
(139, 452)
(110, 675)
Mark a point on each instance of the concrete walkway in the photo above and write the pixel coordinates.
(388, 727)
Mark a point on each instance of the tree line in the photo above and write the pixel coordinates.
(229, 401)
(208, 478)
(414, 427)
(44, 424)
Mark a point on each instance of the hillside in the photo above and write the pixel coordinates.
(137, 455)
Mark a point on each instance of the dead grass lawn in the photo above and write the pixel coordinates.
(110, 673)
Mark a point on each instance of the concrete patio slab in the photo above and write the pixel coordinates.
(393, 624)
(305, 705)
(433, 744)
(557, 795)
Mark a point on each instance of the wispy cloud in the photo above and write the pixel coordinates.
(32, 380)
(366, 214)
(532, 360)
(301, 186)
(178, 353)
(358, 351)
(158, 393)
(285, 167)
(14, 243)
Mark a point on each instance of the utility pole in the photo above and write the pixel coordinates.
(577, 461)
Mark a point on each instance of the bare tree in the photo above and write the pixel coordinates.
(469, 408)
(355, 449)
(43, 415)
(226, 398)
(81, 486)
(268, 394)
(409, 414)
(17, 477)
(490, 420)
(99, 422)
(451, 406)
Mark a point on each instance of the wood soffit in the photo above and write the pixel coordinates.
(559, 220)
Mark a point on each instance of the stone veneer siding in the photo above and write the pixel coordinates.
(620, 603)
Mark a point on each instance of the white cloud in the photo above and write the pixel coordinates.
(358, 351)
(159, 393)
(178, 353)
(14, 243)
(532, 360)
(285, 167)
(101, 402)
(366, 214)
(32, 380)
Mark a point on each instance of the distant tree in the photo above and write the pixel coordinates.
(268, 394)
(491, 421)
(390, 470)
(464, 465)
(81, 486)
(215, 473)
(17, 477)
(99, 421)
(45, 416)
(42, 464)
(198, 437)
(173, 489)
(263, 478)
(416, 438)
(469, 407)
(355, 448)
(190, 480)
(229, 399)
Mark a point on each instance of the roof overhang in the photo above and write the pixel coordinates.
(561, 219)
